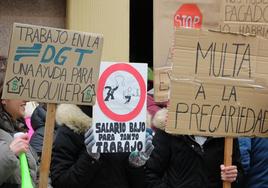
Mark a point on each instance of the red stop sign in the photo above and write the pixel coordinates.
(188, 15)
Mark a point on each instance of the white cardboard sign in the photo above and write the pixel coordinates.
(119, 115)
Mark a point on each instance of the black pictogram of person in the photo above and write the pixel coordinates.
(110, 92)
(128, 95)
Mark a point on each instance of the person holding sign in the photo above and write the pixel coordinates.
(181, 161)
(75, 165)
(11, 148)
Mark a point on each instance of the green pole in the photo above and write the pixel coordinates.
(26, 180)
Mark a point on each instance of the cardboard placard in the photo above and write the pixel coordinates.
(218, 84)
(162, 83)
(245, 16)
(52, 65)
(172, 14)
(120, 111)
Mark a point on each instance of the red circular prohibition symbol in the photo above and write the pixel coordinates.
(114, 116)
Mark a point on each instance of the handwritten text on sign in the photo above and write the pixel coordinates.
(220, 86)
(53, 65)
(246, 16)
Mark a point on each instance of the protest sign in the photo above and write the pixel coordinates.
(245, 16)
(173, 14)
(120, 110)
(52, 65)
(219, 84)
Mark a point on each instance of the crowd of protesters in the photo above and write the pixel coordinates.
(169, 161)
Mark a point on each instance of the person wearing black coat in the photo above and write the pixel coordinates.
(179, 161)
(73, 167)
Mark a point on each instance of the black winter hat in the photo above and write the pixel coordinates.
(86, 109)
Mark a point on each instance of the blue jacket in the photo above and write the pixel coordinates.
(254, 157)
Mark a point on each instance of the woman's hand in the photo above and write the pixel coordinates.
(20, 144)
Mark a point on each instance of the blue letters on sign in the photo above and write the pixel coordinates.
(25, 51)
(50, 54)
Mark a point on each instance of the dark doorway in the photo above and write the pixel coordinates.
(141, 31)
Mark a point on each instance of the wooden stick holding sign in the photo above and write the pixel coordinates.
(47, 145)
(228, 152)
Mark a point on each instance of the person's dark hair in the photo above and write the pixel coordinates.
(43, 105)
(86, 109)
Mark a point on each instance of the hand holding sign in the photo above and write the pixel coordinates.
(228, 173)
(90, 142)
(21, 146)
(139, 159)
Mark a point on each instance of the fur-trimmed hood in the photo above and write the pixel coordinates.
(159, 120)
(73, 117)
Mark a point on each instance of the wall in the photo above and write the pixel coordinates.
(38, 12)
(109, 17)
